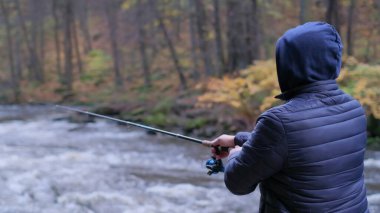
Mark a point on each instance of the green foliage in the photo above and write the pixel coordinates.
(157, 119)
(159, 115)
(252, 92)
(373, 140)
(98, 66)
(164, 106)
(249, 93)
(362, 81)
(137, 112)
(129, 4)
(196, 123)
(373, 143)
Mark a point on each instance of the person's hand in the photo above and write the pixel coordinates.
(236, 149)
(222, 141)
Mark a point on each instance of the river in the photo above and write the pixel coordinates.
(49, 164)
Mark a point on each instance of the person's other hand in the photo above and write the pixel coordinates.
(221, 141)
(236, 149)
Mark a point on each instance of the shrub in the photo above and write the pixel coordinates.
(252, 91)
(249, 93)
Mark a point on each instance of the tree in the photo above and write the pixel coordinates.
(68, 20)
(142, 42)
(76, 46)
(83, 23)
(332, 14)
(8, 29)
(253, 31)
(55, 11)
(303, 11)
(236, 35)
(350, 22)
(202, 36)
(218, 39)
(38, 35)
(34, 64)
(173, 52)
(111, 8)
(194, 41)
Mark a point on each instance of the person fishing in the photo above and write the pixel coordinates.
(307, 154)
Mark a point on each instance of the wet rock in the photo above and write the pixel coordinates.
(107, 110)
(80, 118)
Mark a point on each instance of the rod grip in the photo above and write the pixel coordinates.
(219, 149)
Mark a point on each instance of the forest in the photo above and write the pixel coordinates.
(202, 66)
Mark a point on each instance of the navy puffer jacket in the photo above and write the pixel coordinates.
(308, 153)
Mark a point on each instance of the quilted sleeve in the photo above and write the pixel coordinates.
(241, 137)
(263, 155)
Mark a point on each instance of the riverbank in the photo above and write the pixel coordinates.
(179, 115)
(184, 118)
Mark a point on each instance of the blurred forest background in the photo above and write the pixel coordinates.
(202, 66)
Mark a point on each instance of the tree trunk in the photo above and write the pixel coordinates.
(34, 61)
(37, 36)
(332, 14)
(111, 13)
(142, 42)
(218, 39)
(19, 53)
(350, 24)
(177, 65)
(8, 29)
(41, 35)
(42, 50)
(194, 43)
(56, 39)
(237, 58)
(178, 19)
(251, 30)
(18, 57)
(255, 21)
(202, 36)
(76, 46)
(83, 23)
(303, 11)
(67, 17)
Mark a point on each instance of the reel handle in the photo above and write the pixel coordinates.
(219, 149)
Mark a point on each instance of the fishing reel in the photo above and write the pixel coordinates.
(213, 165)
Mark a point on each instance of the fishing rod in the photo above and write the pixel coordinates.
(213, 165)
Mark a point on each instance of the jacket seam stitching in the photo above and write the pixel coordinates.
(328, 124)
(336, 173)
(333, 157)
(305, 147)
(290, 112)
(335, 187)
(324, 116)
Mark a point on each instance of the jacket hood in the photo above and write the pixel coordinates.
(308, 53)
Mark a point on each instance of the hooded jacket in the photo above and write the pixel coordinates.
(308, 153)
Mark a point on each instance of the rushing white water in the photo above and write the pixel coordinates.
(50, 165)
